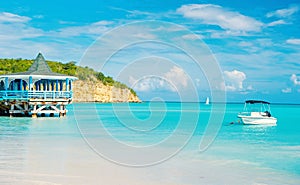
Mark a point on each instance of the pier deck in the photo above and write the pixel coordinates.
(36, 92)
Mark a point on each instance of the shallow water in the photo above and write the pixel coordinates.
(100, 144)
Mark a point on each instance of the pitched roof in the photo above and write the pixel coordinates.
(39, 67)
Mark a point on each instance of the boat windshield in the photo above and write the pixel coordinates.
(256, 106)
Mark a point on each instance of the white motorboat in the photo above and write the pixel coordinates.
(257, 112)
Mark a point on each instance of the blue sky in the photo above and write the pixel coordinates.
(256, 43)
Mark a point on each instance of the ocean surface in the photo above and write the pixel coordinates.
(150, 143)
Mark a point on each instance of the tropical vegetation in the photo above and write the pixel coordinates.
(8, 66)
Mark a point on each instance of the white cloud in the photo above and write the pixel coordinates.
(16, 38)
(94, 29)
(198, 82)
(18, 31)
(177, 77)
(275, 23)
(234, 80)
(16, 35)
(15, 27)
(293, 41)
(172, 80)
(245, 44)
(137, 13)
(38, 16)
(283, 12)
(286, 90)
(217, 15)
(295, 79)
(145, 36)
(192, 36)
(250, 88)
(6, 17)
(150, 83)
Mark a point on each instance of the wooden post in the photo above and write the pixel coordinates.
(26, 109)
(34, 115)
(60, 111)
(11, 110)
(65, 112)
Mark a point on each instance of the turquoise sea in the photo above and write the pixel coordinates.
(150, 143)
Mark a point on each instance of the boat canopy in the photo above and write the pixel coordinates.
(256, 101)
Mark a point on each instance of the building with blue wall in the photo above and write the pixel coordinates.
(38, 91)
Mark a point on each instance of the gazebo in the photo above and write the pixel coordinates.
(38, 91)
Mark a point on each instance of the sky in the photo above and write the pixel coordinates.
(167, 50)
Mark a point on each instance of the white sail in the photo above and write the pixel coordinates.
(207, 101)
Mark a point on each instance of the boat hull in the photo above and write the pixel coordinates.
(250, 120)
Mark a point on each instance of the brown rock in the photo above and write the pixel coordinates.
(96, 91)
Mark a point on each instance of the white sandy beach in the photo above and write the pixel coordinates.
(71, 161)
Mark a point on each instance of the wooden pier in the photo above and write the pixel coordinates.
(37, 92)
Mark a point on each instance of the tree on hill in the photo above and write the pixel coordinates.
(8, 66)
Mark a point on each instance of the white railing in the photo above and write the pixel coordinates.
(10, 95)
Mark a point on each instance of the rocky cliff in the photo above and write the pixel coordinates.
(96, 91)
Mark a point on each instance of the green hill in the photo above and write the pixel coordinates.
(8, 66)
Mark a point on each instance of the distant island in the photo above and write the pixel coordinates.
(91, 86)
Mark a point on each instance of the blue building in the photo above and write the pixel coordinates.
(36, 92)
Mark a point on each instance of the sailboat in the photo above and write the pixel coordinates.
(207, 101)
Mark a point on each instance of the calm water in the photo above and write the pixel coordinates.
(53, 151)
